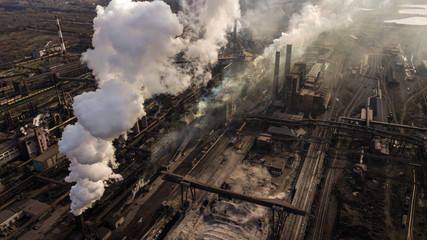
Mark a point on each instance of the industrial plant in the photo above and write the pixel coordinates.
(225, 119)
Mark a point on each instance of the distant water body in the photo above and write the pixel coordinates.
(418, 10)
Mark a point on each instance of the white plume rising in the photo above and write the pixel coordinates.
(313, 19)
(206, 24)
(134, 46)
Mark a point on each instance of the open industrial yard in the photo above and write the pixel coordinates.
(223, 120)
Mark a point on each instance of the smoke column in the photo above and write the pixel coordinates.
(133, 42)
(134, 46)
(206, 24)
(306, 25)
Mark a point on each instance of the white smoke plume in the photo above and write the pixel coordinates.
(313, 19)
(38, 118)
(206, 24)
(133, 42)
(134, 46)
(267, 16)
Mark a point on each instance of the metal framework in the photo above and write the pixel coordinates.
(355, 129)
(192, 184)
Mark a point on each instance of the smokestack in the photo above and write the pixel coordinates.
(287, 83)
(276, 77)
(81, 225)
(61, 39)
(236, 49)
(288, 60)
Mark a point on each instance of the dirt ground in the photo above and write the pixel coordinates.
(26, 25)
(370, 204)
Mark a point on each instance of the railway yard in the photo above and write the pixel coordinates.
(328, 142)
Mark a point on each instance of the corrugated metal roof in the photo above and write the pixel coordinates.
(282, 131)
(47, 154)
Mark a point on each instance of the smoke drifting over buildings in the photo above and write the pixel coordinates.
(206, 24)
(134, 46)
(315, 18)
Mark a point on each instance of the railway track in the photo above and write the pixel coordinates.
(405, 108)
(311, 172)
(295, 226)
(331, 175)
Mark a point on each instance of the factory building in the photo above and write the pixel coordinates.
(275, 165)
(114, 221)
(103, 233)
(9, 216)
(9, 151)
(305, 92)
(25, 208)
(285, 134)
(33, 143)
(38, 53)
(301, 91)
(29, 146)
(313, 96)
(47, 159)
(380, 106)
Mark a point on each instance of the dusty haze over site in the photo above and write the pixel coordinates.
(226, 119)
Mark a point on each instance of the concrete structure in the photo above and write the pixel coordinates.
(47, 159)
(380, 110)
(38, 53)
(263, 141)
(306, 92)
(34, 143)
(114, 221)
(276, 77)
(9, 151)
(103, 233)
(136, 128)
(288, 60)
(8, 217)
(20, 88)
(293, 84)
(28, 208)
(288, 116)
(287, 82)
(31, 207)
(381, 146)
(285, 134)
(313, 97)
(275, 165)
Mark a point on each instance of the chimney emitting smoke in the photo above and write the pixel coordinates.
(276, 77)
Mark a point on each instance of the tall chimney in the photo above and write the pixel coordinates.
(288, 59)
(276, 77)
(236, 45)
(61, 39)
(287, 83)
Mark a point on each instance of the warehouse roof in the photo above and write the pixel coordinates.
(50, 152)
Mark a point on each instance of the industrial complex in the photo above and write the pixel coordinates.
(235, 120)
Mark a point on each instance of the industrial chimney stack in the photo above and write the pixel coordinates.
(236, 44)
(276, 77)
(287, 83)
(288, 60)
(61, 39)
